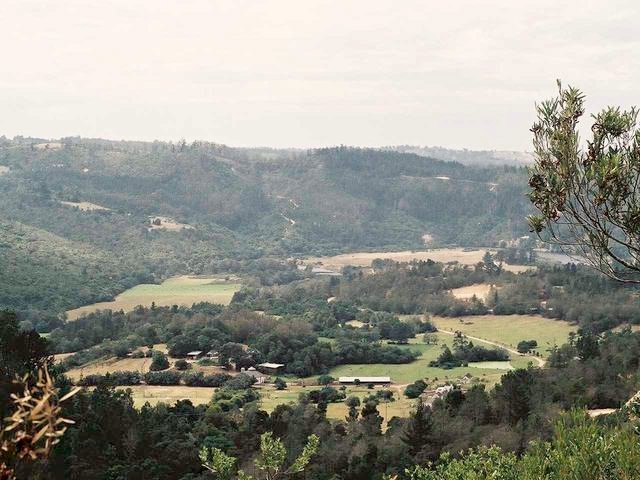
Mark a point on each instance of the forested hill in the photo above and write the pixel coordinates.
(97, 198)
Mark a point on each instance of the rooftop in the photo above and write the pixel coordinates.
(365, 379)
(271, 365)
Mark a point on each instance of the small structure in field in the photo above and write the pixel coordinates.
(366, 380)
(213, 355)
(271, 368)
(252, 372)
(195, 355)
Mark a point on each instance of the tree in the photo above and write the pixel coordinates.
(587, 200)
(353, 403)
(418, 428)
(270, 461)
(159, 362)
(325, 379)
(415, 389)
(182, 364)
(280, 384)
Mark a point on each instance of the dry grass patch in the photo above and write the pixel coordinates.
(86, 206)
(154, 394)
(4, 169)
(167, 223)
(463, 256)
(480, 290)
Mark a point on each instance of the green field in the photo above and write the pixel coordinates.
(183, 290)
(409, 372)
(508, 330)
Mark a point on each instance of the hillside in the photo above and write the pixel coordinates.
(98, 198)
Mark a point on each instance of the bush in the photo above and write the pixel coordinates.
(325, 379)
(182, 364)
(415, 389)
(168, 377)
(159, 362)
(280, 384)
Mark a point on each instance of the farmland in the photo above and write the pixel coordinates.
(182, 290)
(85, 206)
(508, 330)
(409, 372)
(154, 394)
(463, 256)
(480, 290)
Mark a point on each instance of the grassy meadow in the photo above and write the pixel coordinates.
(409, 372)
(182, 290)
(508, 330)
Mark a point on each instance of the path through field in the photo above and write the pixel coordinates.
(538, 360)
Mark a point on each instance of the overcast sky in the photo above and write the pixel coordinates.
(308, 73)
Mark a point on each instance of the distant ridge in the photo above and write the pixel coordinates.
(468, 157)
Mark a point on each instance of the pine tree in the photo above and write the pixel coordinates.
(418, 428)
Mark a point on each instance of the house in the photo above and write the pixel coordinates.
(252, 372)
(213, 355)
(356, 380)
(195, 355)
(271, 368)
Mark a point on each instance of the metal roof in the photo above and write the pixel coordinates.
(271, 365)
(365, 379)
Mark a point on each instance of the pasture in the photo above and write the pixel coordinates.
(154, 394)
(182, 290)
(409, 372)
(363, 259)
(508, 330)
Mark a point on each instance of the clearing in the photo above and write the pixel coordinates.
(507, 330)
(86, 206)
(4, 169)
(155, 394)
(166, 223)
(463, 256)
(181, 290)
(480, 290)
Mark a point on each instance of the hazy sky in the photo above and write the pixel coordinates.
(308, 73)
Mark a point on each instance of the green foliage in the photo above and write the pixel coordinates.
(587, 199)
(159, 362)
(271, 460)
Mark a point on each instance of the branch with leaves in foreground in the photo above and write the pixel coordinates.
(36, 424)
(588, 199)
(270, 461)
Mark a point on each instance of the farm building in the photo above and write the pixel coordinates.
(271, 368)
(252, 372)
(196, 354)
(374, 380)
(213, 355)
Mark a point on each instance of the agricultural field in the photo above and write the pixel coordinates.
(480, 290)
(363, 259)
(154, 394)
(409, 372)
(182, 290)
(401, 407)
(508, 330)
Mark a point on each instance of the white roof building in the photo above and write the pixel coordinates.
(365, 379)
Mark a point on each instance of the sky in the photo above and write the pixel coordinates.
(309, 73)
